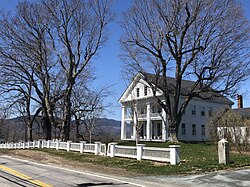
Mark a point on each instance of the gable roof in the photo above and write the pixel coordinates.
(186, 86)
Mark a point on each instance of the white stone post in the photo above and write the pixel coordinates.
(140, 151)
(164, 125)
(68, 145)
(174, 154)
(23, 145)
(112, 149)
(97, 148)
(149, 134)
(48, 143)
(82, 146)
(223, 151)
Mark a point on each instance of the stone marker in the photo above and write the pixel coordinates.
(223, 151)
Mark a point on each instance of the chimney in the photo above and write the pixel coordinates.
(240, 101)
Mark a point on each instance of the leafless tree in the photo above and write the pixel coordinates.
(87, 106)
(78, 30)
(26, 59)
(49, 50)
(204, 41)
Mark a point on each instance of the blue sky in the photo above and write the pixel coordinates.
(108, 65)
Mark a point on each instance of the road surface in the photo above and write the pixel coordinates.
(16, 172)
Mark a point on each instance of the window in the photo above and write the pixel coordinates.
(138, 92)
(159, 129)
(145, 90)
(210, 112)
(129, 111)
(183, 129)
(203, 130)
(193, 110)
(203, 111)
(193, 129)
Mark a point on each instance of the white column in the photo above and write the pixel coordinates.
(149, 134)
(134, 130)
(123, 125)
(164, 125)
(135, 121)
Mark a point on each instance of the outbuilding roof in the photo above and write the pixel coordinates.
(245, 112)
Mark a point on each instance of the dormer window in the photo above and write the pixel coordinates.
(138, 92)
(145, 90)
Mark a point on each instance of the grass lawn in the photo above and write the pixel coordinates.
(195, 158)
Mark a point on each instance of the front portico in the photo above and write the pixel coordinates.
(151, 123)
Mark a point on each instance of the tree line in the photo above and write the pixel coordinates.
(46, 52)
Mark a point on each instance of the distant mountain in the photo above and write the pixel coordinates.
(14, 129)
(110, 123)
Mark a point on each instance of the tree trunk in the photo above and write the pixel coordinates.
(25, 132)
(173, 131)
(77, 130)
(64, 135)
(30, 136)
(47, 125)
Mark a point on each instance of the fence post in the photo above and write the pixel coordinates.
(82, 146)
(223, 151)
(112, 149)
(68, 145)
(43, 141)
(97, 148)
(174, 154)
(139, 151)
(57, 144)
(48, 143)
(40, 144)
(34, 143)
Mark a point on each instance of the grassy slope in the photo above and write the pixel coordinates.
(195, 158)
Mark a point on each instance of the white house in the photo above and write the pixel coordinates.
(153, 120)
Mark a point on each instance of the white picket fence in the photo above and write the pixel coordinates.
(171, 154)
(97, 148)
(139, 152)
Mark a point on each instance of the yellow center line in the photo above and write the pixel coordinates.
(24, 177)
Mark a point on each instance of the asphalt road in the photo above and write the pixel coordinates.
(240, 178)
(15, 172)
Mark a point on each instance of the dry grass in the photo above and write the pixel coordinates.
(48, 158)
